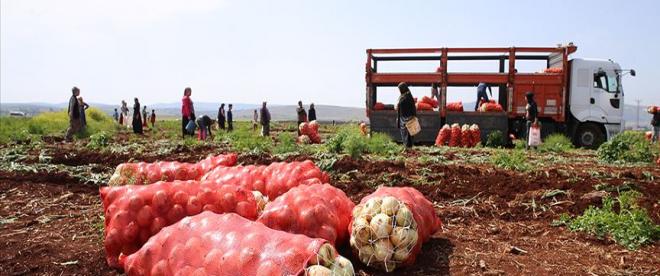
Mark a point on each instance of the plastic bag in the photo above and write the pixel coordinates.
(390, 225)
(191, 126)
(147, 173)
(212, 244)
(135, 213)
(317, 211)
(272, 180)
(534, 136)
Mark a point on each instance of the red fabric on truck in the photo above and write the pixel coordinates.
(135, 213)
(212, 244)
(423, 213)
(317, 211)
(147, 173)
(272, 180)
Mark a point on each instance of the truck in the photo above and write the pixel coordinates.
(580, 98)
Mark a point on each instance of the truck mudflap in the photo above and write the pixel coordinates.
(612, 129)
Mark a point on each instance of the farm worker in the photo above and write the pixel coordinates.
(144, 116)
(482, 97)
(74, 115)
(115, 116)
(230, 119)
(302, 115)
(204, 124)
(434, 92)
(265, 120)
(153, 118)
(655, 123)
(311, 113)
(405, 112)
(137, 120)
(187, 111)
(83, 117)
(255, 120)
(221, 117)
(531, 115)
(124, 113)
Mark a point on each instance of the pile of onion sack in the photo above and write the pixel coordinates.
(147, 173)
(389, 226)
(309, 133)
(228, 244)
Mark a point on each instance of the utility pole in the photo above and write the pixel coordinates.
(637, 125)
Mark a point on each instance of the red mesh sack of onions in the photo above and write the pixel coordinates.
(311, 130)
(475, 135)
(147, 173)
(228, 244)
(317, 211)
(455, 136)
(272, 180)
(135, 213)
(466, 137)
(389, 226)
(443, 136)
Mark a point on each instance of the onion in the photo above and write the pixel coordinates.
(357, 211)
(401, 254)
(361, 231)
(342, 267)
(261, 200)
(326, 255)
(404, 217)
(402, 237)
(371, 208)
(318, 270)
(366, 254)
(383, 250)
(389, 206)
(381, 224)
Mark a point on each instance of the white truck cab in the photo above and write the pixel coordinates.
(595, 100)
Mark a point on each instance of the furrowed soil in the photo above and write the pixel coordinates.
(495, 221)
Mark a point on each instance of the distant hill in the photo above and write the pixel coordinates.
(244, 111)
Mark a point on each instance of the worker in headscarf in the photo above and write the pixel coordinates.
(482, 97)
(74, 115)
(311, 113)
(406, 111)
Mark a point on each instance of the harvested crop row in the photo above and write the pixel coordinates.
(455, 136)
(317, 211)
(212, 244)
(135, 213)
(271, 180)
(390, 225)
(147, 173)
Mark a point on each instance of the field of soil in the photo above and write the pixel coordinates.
(495, 221)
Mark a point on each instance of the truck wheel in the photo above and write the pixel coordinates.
(590, 136)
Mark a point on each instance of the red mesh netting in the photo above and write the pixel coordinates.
(147, 173)
(212, 244)
(318, 211)
(135, 213)
(272, 180)
(423, 213)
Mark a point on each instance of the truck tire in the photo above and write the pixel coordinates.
(589, 135)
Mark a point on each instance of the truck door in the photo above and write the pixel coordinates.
(606, 99)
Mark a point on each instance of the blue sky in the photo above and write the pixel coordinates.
(282, 51)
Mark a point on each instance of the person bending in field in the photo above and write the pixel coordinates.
(302, 116)
(655, 123)
(230, 119)
(204, 124)
(482, 97)
(153, 118)
(406, 111)
(74, 115)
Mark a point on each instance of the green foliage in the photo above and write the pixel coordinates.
(519, 144)
(495, 139)
(510, 160)
(98, 140)
(556, 142)
(630, 227)
(628, 146)
(286, 143)
(349, 140)
(244, 139)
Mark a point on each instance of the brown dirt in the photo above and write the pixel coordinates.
(485, 211)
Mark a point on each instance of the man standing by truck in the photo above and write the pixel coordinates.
(531, 115)
(405, 112)
(482, 97)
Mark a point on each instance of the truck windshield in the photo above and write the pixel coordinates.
(607, 82)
